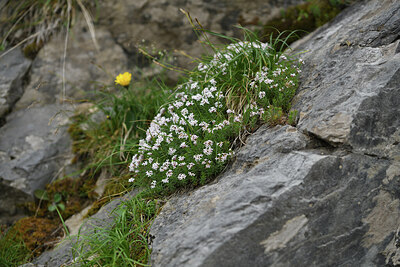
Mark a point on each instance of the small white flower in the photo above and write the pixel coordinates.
(229, 111)
(268, 81)
(191, 174)
(193, 138)
(149, 173)
(190, 165)
(171, 151)
(153, 184)
(212, 109)
(261, 94)
(166, 180)
(178, 104)
(181, 158)
(198, 157)
(181, 176)
(169, 173)
(131, 180)
(155, 166)
(197, 97)
(208, 143)
(237, 118)
(208, 151)
(193, 85)
(183, 145)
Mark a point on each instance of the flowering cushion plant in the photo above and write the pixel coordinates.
(190, 139)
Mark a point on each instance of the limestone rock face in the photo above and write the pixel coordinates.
(86, 68)
(324, 193)
(34, 145)
(349, 92)
(13, 70)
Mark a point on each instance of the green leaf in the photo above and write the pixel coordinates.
(57, 197)
(41, 194)
(52, 207)
(61, 206)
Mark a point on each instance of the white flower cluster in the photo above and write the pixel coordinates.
(187, 136)
(177, 129)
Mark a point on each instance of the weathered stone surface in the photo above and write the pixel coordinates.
(64, 253)
(34, 143)
(86, 68)
(322, 194)
(161, 24)
(34, 146)
(349, 93)
(13, 70)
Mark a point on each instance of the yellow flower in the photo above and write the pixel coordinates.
(123, 79)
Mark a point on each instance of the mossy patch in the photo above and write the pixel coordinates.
(76, 195)
(38, 234)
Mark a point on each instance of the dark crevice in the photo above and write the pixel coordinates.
(372, 155)
(317, 143)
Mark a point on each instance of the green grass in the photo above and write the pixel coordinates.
(126, 243)
(13, 251)
(109, 141)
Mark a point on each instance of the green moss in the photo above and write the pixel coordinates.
(31, 50)
(76, 195)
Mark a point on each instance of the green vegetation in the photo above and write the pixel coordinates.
(126, 242)
(305, 17)
(193, 136)
(13, 251)
(200, 121)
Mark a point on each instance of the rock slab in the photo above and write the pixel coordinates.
(14, 68)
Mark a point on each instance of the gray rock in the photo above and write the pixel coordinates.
(350, 82)
(301, 207)
(324, 194)
(35, 146)
(13, 70)
(160, 25)
(86, 68)
(66, 252)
